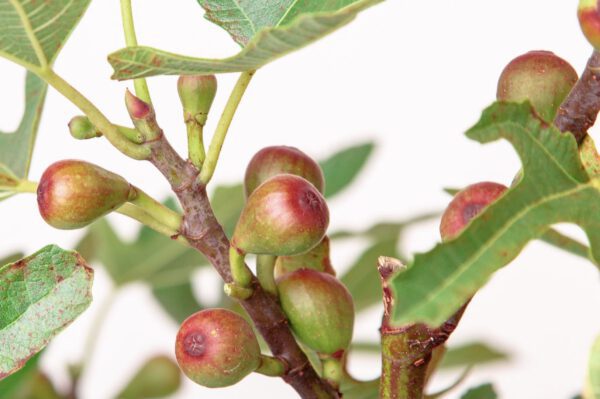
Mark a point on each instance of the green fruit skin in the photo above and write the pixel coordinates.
(317, 259)
(320, 309)
(286, 215)
(540, 77)
(216, 348)
(73, 193)
(197, 93)
(271, 161)
(158, 378)
(467, 204)
(81, 128)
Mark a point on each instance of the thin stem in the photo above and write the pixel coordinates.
(271, 367)
(240, 273)
(156, 210)
(146, 219)
(196, 149)
(208, 169)
(265, 266)
(110, 131)
(141, 87)
(333, 370)
(24, 186)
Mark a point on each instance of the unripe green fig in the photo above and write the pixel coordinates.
(197, 93)
(541, 77)
(159, 377)
(467, 204)
(217, 348)
(81, 128)
(316, 259)
(286, 215)
(589, 21)
(320, 309)
(72, 193)
(271, 161)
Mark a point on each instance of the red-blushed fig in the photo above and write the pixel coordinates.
(467, 204)
(197, 93)
(72, 193)
(217, 348)
(271, 161)
(316, 259)
(320, 309)
(286, 215)
(541, 77)
(589, 21)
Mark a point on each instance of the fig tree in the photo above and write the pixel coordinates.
(72, 193)
(217, 348)
(271, 161)
(320, 309)
(467, 204)
(541, 77)
(286, 215)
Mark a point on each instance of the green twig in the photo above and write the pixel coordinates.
(141, 87)
(110, 131)
(196, 151)
(139, 214)
(208, 168)
(265, 266)
(271, 367)
(158, 211)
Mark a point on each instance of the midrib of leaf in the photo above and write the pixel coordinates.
(527, 133)
(237, 3)
(470, 261)
(37, 48)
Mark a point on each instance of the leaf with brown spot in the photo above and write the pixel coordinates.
(39, 296)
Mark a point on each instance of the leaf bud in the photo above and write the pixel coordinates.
(81, 128)
(197, 93)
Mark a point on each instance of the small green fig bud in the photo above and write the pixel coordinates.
(589, 20)
(320, 309)
(540, 77)
(467, 204)
(197, 94)
(316, 259)
(81, 128)
(286, 215)
(72, 193)
(158, 378)
(271, 161)
(217, 348)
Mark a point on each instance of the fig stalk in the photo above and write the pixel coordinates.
(265, 267)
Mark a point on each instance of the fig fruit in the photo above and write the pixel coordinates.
(541, 77)
(286, 215)
(81, 128)
(271, 161)
(197, 93)
(589, 21)
(320, 309)
(316, 259)
(217, 348)
(467, 204)
(72, 193)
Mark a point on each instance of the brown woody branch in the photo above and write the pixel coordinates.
(579, 111)
(201, 228)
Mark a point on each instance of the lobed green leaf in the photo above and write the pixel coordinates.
(592, 389)
(555, 188)
(39, 296)
(343, 167)
(485, 391)
(267, 30)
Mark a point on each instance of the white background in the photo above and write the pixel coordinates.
(413, 75)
